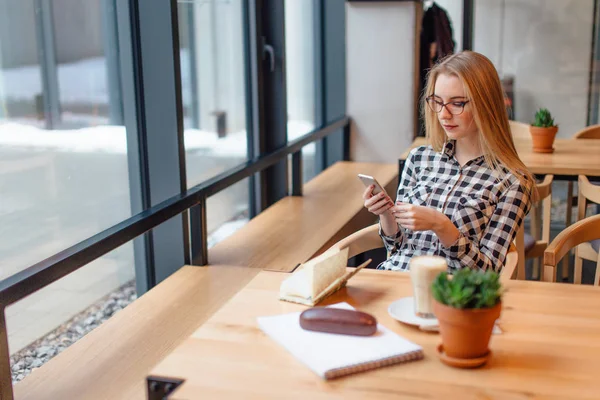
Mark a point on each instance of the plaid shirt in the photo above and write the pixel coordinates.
(486, 208)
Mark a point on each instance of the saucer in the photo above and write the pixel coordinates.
(462, 362)
(544, 150)
(403, 310)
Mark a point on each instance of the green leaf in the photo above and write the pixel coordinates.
(468, 288)
(543, 119)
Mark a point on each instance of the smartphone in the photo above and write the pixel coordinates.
(369, 180)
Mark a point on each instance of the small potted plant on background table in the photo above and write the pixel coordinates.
(543, 131)
(467, 306)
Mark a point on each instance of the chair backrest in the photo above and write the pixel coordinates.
(587, 191)
(363, 240)
(589, 132)
(586, 230)
(544, 192)
(368, 239)
(510, 264)
(519, 130)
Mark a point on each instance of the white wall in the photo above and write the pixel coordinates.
(546, 46)
(380, 68)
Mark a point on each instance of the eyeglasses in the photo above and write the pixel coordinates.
(453, 107)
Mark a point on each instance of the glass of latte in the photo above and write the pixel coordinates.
(423, 271)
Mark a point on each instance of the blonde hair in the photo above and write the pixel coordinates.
(486, 99)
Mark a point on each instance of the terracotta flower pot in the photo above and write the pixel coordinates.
(466, 332)
(543, 138)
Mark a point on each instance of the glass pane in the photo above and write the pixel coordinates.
(227, 212)
(213, 90)
(84, 49)
(21, 77)
(63, 178)
(300, 76)
(214, 101)
(44, 324)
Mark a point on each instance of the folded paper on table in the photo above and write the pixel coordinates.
(318, 278)
(333, 355)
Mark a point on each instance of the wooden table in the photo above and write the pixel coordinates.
(295, 229)
(550, 349)
(571, 157)
(112, 361)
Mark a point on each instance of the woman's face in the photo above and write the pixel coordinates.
(450, 91)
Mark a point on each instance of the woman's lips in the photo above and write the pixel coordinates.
(449, 127)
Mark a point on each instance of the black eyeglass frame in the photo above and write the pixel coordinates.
(431, 98)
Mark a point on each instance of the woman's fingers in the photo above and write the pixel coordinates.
(381, 207)
(405, 216)
(406, 219)
(376, 199)
(381, 204)
(403, 207)
(368, 193)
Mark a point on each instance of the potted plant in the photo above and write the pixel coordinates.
(543, 130)
(466, 305)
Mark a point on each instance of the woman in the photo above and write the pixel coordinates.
(465, 195)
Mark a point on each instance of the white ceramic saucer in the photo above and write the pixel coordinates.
(404, 311)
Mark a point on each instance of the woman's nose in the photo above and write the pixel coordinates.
(445, 114)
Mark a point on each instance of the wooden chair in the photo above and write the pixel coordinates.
(532, 245)
(588, 250)
(586, 230)
(368, 239)
(590, 132)
(527, 243)
(519, 130)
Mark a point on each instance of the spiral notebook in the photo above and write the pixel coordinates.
(332, 355)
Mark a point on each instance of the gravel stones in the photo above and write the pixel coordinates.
(43, 349)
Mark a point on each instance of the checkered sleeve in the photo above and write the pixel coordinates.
(483, 242)
(408, 180)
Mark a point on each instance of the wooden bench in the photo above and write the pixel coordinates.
(295, 229)
(113, 360)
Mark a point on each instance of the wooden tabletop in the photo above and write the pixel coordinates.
(571, 156)
(112, 361)
(295, 229)
(549, 348)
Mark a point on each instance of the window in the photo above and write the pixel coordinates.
(63, 152)
(214, 102)
(301, 74)
(82, 143)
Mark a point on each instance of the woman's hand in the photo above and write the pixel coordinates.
(377, 204)
(417, 218)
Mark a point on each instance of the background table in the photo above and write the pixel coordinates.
(571, 157)
(550, 349)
